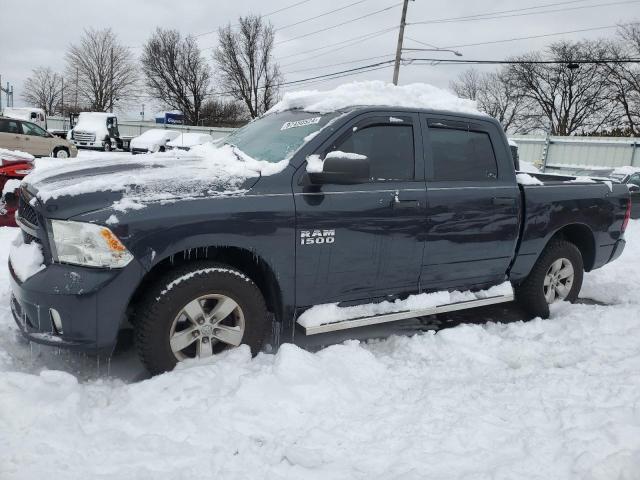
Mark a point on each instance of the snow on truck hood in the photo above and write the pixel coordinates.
(376, 93)
(205, 170)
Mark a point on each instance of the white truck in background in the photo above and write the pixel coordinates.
(98, 130)
(30, 114)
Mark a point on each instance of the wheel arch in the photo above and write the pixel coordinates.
(244, 260)
(582, 237)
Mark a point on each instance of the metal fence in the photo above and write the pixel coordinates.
(589, 152)
(134, 128)
(547, 151)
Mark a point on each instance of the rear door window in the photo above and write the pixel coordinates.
(461, 155)
(9, 126)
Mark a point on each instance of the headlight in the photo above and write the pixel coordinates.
(87, 244)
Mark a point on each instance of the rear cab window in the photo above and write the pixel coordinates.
(460, 151)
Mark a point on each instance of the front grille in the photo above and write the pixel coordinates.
(26, 212)
(84, 136)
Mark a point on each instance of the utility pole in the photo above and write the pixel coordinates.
(111, 82)
(75, 105)
(62, 109)
(403, 18)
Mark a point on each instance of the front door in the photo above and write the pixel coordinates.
(473, 204)
(364, 241)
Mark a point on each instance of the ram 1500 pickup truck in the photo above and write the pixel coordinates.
(378, 215)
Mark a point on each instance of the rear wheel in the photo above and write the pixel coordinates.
(556, 276)
(198, 311)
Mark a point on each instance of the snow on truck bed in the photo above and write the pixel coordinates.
(545, 399)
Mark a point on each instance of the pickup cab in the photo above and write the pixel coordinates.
(304, 226)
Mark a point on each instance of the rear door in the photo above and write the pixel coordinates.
(473, 204)
(363, 241)
(9, 131)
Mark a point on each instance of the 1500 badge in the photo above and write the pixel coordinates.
(317, 237)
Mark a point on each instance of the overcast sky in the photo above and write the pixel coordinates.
(37, 33)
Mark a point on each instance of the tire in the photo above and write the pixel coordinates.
(534, 293)
(60, 152)
(171, 314)
(107, 145)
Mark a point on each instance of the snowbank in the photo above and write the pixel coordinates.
(375, 93)
(332, 313)
(546, 399)
(26, 258)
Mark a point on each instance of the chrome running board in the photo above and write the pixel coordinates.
(392, 317)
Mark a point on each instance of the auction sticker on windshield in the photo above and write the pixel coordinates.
(300, 123)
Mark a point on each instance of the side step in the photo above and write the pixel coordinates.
(392, 317)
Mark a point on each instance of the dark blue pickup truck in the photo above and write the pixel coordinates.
(375, 217)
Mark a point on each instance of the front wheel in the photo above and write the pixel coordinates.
(107, 144)
(556, 276)
(61, 152)
(198, 311)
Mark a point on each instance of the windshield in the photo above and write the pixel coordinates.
(277, 136)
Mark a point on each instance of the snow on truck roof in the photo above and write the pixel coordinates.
(375, 93)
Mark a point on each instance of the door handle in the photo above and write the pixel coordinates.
(400, 204)
(504, 201)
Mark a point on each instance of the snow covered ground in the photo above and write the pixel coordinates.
(553, 399)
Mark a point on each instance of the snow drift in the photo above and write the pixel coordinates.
(546, 399)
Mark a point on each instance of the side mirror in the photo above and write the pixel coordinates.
(341, 168)
(633, 188)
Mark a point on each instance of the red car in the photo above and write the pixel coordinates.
(13, 166)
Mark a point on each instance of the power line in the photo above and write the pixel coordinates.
(475, 15)
(359, 38)
(340, 24)
(439, 61)
(338, 64)
(313, 82)
(285, 8)
(470, 19)
(320, 15)
(265, 15)
(534, 36)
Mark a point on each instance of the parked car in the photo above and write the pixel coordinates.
(347, 207)
(631, 177)
(154, 140)
(30, 138)
(14, 166)
(189, 139)
(98, 130)
(30, 114)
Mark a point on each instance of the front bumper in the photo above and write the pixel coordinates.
(91, 303)
(96, 144)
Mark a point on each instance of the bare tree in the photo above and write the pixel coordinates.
(43, 89)
(101, 70)
(570, 96)
(624, 79)
(224, 113)
(176, 73)
(497, 95)
(246, 65)
(467, 84)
